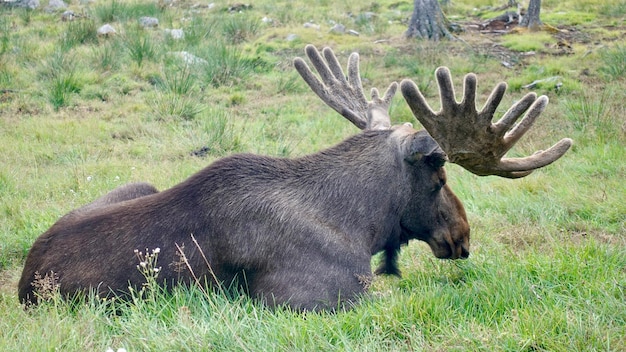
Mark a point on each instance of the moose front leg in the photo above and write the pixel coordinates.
(389, 264)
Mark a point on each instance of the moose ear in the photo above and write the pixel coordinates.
(422, 147)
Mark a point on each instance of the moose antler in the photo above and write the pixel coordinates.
(345, 95)
(468, 136)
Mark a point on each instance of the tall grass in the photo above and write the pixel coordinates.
(63, 80)
(614, 62)
(225, 64)
(5, 35)
(140, 46)
(238, 28)
(79, 32)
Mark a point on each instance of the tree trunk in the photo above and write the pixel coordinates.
(531, 19)
(428, 21)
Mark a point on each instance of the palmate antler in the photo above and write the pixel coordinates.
(346, 95)
(464, 133)
(469, 137)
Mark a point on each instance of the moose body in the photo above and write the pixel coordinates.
(300, 231)
(296, 231)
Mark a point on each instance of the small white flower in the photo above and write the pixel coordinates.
(143, 264)
(156, 270)
(136, 251)
(89, 178)
(121, 350)
(156, 250)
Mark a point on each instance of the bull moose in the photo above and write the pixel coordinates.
(300, 232)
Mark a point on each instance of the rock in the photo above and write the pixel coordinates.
(291, 37)
(29, 4)
(353, 32)
(106, 30)
(68, 16)
(537, 82)
(175, 33)
(188, 58)
(55, 5)
(311, 25)
(148, 22)
(239, 7)
(201, 152)
(338, 28)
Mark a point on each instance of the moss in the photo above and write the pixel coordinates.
(568, 18)
(523, 42)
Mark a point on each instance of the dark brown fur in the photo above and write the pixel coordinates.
(118, 195)
(294, 231)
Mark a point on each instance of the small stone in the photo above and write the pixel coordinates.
(175, 33)
(338, 28)
(148, 22)
(106, 30)
(68, 16)
(189, 58)
(311, 25)
(55, 5)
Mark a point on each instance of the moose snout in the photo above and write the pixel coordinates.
(444, 247)
(464, 252)
(455, 252)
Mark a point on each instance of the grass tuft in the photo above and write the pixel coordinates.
(140, 46)
(239, 28)
(614, 62)
(225, 65)
(79, 33)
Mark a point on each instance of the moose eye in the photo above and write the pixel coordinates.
(439, 180)
(439, 185)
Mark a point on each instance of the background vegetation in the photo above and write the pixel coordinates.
(82, 114)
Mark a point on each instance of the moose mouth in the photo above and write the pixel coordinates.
(448, 249)
(442, 249)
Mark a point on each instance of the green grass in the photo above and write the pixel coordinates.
(81, 115)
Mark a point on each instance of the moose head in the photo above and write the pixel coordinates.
(465, 135)
(298, 231)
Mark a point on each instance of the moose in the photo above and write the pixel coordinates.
(300, 232)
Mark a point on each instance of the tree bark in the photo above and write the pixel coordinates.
(428, 21)
(531, 19)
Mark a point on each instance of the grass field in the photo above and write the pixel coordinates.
(82, 114)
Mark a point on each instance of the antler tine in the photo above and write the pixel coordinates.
(469, 137)
(345, 95)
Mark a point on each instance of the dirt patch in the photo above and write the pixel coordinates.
(8, 281)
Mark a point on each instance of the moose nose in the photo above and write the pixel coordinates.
(464, 253)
